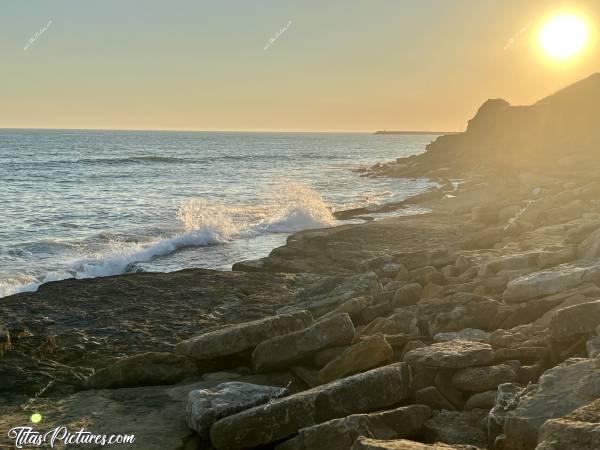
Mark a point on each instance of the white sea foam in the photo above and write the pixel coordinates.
(294, 208)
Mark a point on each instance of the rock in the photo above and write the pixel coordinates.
(147, 369)
(456, 312)
(480, 379)
(282, 418)
(507, 399)
(154, 414)
(590, 247)
(368, 353)
(575, 320)
(235, 339)
(4, 340)
(401, 322)
(353, 307)
(363, 443)
(468, 334)
(308, 375)
(593, 347)
(443, 382)
(407, 295)
(433, 398)
(285, 350)
(206, 406)
(393, 286)
(578, 430)
(523, 354)
(323, 357)
(412, 345)
(551, 258)
(339, 434)
(561, 390)
(451, 355)
(481, 400)
(457, 427)
(426, 275)
(548, 282)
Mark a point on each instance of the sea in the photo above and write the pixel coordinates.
(88, 203)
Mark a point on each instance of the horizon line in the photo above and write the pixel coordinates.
(175, 130)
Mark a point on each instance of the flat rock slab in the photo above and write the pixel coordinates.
(285, 350)
(364, 443)
(242, 337)
(368, 353)
(548, 282)
(282, 418)
(457, 427)
(154, 414)
(206, 406)
(339, 434)
(455, 354)
(561, 390)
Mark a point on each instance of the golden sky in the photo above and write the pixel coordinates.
(299, 65)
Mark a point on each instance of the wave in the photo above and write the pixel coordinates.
(292, 208)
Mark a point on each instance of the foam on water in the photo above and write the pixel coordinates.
(295, 207)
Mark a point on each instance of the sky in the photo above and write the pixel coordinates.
(266, 65)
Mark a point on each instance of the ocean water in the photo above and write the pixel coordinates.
(98, 203)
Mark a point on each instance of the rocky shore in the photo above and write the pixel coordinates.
(475, 326)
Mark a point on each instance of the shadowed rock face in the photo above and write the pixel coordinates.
(559, 129)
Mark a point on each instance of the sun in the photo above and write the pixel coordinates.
(564, 36)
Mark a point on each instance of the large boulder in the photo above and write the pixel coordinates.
(457, 427)
(575, 320)
(339, 434)
(480, 379)
(283, 351)
(561, 390)
(206, 406)
(578, 430)
(282, 418)
(370, 352)
(364, 443)
(147, 369)
(455, 354)
(456, 312)
(234, 339)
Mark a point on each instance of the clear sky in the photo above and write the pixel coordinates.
(338, 66)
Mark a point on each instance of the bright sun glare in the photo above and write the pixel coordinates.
(564, 36)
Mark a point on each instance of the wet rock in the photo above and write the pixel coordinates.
(285, 350)
(364, 443)
(235, 339)
(561, 390)
(433, 398)
(456, 312)
(147, 369)
(480, 379)
(368, 353)
(575, 320)
(206, 406)
(365, 392)
(468, 334)
(481, 400)
(339, 434)
(407, 295)
(578, 430)
(457, 427)
(455, 354)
